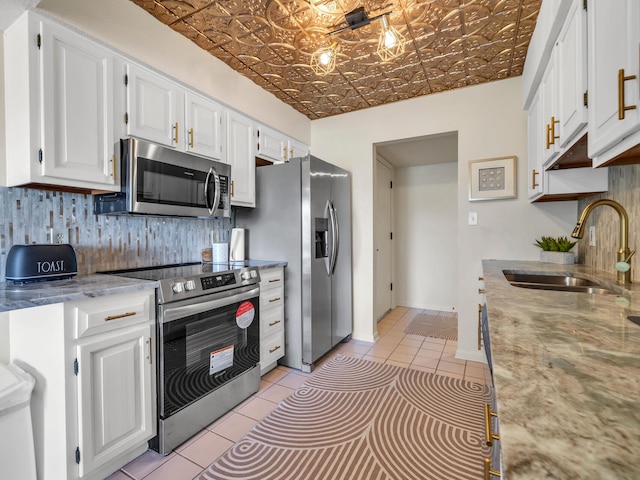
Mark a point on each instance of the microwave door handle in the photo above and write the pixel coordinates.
(216, 196)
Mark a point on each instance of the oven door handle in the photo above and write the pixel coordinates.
(171, 313)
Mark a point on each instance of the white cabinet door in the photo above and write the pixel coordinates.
(534, 148)
(549, 102)
(572, 75)
(297, 149)
(272, 144)
(241, 157)
(77, 83)
(114, 394)
(204, 126)
(155, 108)
(614, 34)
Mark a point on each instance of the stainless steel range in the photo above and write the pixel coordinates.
(208, 344)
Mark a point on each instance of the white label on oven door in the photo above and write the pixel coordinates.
(245, 314)
(221, 359)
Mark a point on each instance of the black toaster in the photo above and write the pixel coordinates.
(33, 263)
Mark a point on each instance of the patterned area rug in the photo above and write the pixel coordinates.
(361, 420)
(436, 324)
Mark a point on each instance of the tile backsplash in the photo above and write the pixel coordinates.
(101, 242)
(624, 188)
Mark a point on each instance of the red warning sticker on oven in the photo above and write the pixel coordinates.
(245, 314)
(221, 359)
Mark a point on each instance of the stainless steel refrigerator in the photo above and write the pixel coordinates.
(303, 216)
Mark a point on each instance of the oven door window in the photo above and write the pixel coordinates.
(204, 351)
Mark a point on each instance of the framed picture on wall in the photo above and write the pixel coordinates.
(492, 178)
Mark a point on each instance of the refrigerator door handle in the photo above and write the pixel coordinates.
(335, 237)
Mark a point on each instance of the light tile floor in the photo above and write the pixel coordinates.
(393, 347)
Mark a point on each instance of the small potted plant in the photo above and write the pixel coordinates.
(556, 250)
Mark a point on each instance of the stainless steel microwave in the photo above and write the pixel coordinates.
(160, 181)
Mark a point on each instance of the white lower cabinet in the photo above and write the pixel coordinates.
(93, 406)
(271, 318)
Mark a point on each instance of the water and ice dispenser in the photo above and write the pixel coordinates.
(321, 237)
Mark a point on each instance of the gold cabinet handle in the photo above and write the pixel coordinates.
(554, 137)
(274, 323)
(547, 132)
(274, 300)
(481, 291)
(488, 472)
(291, 153)
(271, 350)
(191, 137)
(232, 188)
(489, 436)
(621, 106)
(175, 132)
(481, 279)
(284, 152)
(533, 179)
(274, 280)
(122, 315)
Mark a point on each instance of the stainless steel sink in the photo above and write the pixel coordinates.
(564, 283)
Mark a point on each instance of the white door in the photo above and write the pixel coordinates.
(155, 108)
(77, 82)
(613, 36)
(115, 410)
(383, 242)
(204, 126)
(241, 157)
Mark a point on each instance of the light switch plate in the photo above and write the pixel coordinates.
(592, 236)
(473, 218)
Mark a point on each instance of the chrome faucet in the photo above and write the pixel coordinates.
(624, 254)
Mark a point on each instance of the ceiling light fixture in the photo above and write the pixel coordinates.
(390, 45)
(323, 61)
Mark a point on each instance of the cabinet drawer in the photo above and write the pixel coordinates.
(271, 321)
(271, 278)
(272, 297)
(107, 313)
(272, 348)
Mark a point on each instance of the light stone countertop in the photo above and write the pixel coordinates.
(567, 376)
(14, 297)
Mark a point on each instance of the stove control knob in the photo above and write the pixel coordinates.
(189, 285)
(245, 275)
(177, 287)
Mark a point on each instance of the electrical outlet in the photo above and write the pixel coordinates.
(59, 235)
(592, 236)
(473, 218)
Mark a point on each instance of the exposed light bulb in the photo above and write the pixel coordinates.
(325, 57)
(390, 39)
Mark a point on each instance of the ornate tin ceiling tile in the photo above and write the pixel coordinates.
(449, 44)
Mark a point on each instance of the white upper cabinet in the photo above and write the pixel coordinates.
(59, 106)
(534, 148)
(572, 76)
(241, 156)
(205, 126)
(549, 105)
(614, 92)
(297, 149)
(272, 145)
(154, 107)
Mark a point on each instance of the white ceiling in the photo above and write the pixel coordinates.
(428, 150)
(10, 10)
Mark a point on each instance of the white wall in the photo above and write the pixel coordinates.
(490, 123)
(426, 236)
(123, 25)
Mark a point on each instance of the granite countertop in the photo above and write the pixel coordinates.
(14, 297)
(567, 376)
